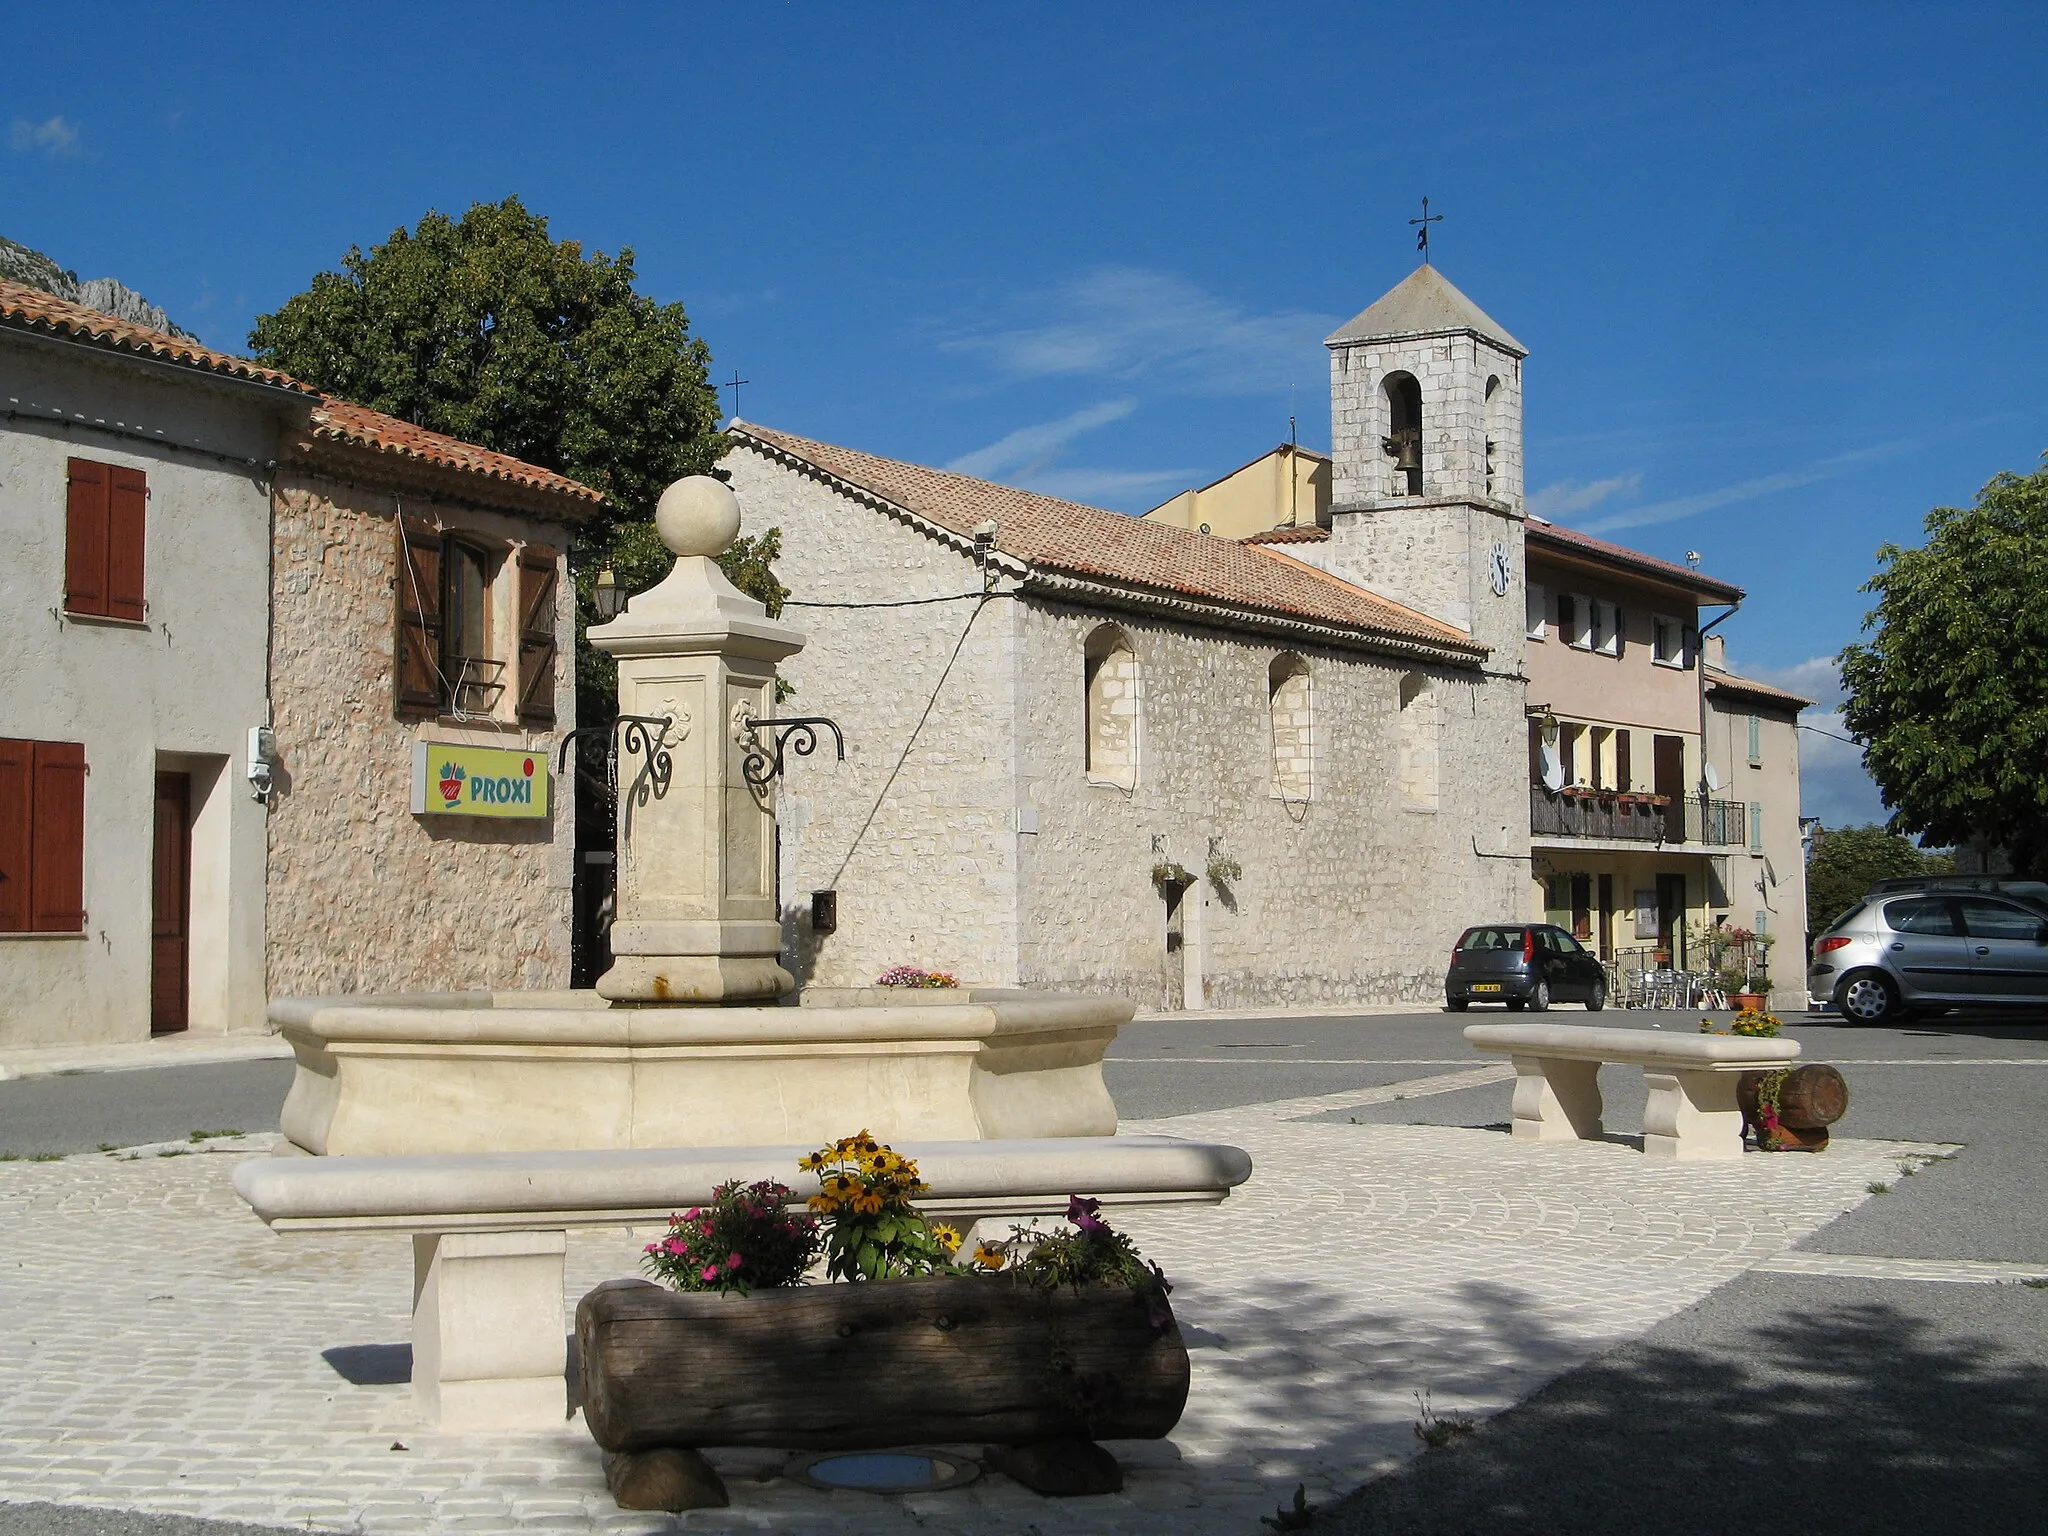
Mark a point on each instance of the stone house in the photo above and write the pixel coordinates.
(208, 759)
(1088, 751)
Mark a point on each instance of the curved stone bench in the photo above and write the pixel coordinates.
(490, 1230)
(1692, 1113)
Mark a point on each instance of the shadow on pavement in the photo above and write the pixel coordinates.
(1853, 1418)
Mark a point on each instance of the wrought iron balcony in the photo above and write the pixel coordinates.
(1611, 814)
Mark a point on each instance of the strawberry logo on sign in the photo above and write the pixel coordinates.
(452, 776)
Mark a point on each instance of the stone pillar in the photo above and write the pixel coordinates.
(696, 918)
(488, 1344)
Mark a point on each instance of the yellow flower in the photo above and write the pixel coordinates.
(990, 1255)
(947, 1234)
(868, 1204)
(812, 1163)
(824, 1205)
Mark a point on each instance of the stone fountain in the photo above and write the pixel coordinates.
(683, 1044)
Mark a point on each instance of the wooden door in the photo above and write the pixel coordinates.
(1667, 767)
(170, 937)
(1671, 918)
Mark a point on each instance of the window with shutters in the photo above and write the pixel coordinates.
(42, 836)
(1756, 741)
(105, 528)
(537, 588)
(454, 655)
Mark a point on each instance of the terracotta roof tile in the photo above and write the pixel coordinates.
(1570, 541)
(31, 309)
(1307, 533)
(1068, 537)
(332, 420)
(1719, 681)
(359, 426)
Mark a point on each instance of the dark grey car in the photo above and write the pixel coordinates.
(1523, 965)
(1932, 949)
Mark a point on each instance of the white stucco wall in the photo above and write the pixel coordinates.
(176, 692)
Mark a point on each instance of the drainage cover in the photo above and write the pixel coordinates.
(915, 1471)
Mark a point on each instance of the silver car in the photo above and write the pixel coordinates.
(1893, 954)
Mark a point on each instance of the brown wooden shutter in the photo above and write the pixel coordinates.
(17, 825)
(57, 863)
(537, 586)
(85, 537)
(1623, 779)
(127, 508)
(416, 652)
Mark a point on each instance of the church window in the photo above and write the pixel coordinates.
(1533, 611)
(1112, 693)
(1493, 434)
(1291, 702)
(1403, 442)
(1418, 739)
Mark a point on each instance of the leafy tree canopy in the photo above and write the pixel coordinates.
(489, 329)
(1847, 861)
(1950, 693)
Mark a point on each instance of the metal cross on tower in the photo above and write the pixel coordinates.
(736, 381)
(1422, 234)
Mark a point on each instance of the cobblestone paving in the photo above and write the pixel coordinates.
(164, 1352)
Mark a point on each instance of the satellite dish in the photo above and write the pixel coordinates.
(1548, 765)
(1770, 874)
(1713, 777)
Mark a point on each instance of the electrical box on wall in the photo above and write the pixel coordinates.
(262, 759)
(824, 911)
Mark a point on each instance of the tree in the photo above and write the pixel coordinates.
(1950, 694)
(1848, 861)
(490, 330)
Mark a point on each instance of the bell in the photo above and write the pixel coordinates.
(1409, 454)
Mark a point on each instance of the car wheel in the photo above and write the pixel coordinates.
(1539, 1000)
(1597, 998)
(1457, 1004)
(1870, 997)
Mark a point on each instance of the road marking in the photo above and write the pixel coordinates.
(1857, 1266)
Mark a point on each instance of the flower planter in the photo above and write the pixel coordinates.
(1810, 1099)
(1753, 1000)
(889, 1363)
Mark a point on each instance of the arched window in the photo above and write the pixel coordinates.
(1113, 698)
(1418, 739)
(1403, 442)
(1493, 448)
(1292, 703)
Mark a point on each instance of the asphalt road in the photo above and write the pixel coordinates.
(1814, 1404)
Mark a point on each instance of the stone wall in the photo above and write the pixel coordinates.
(363, 895)
(916, 830)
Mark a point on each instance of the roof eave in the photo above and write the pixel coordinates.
(395, 469)
(50, 334)
(1707, 587)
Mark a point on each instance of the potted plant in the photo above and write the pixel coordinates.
(1041, 1345)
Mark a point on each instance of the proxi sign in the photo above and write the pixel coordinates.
(448, 780)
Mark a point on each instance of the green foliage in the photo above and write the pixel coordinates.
(1950, 693)
(1847, 861)
(489, 329)
(1437, 1430)
(872, 1231)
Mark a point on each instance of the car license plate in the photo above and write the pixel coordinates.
(1485, 986)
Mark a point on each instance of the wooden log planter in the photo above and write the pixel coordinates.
(1810, 1099)
(1038, 1375)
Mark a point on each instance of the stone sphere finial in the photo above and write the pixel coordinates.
(698, 515)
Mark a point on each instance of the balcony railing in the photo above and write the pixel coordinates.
(1608, 813)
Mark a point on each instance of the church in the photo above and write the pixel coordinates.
(1088, 750)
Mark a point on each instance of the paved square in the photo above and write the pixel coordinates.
(164, 1351)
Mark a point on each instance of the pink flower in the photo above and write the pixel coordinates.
(710, 1272)
(733, 1261)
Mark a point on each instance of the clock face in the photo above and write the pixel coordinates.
(1498, 571)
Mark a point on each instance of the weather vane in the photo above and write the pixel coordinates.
(1422, 234)
(736, 381)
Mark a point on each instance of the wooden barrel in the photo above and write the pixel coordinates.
(861, 1366)
(1812, 1097)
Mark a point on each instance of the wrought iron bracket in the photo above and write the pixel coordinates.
(644, 737)
(798, 735)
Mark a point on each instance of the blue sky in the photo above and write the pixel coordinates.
(1780, 268)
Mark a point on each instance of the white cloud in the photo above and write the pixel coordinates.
(1743, 490)
(1032, 448)
(1565, 497)
(54, 136)
(1134, 323)
(1100, 486)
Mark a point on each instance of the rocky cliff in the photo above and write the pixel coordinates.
(108, 295)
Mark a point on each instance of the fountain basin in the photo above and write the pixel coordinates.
(513, 1071)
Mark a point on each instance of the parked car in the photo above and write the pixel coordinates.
(2033, 892)
(1524, 965)
(1892, 954)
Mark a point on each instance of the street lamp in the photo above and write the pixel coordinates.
(606, 595)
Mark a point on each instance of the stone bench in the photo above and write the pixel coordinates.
(1692, 1113)
(490, 1230)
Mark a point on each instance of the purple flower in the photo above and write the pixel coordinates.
(1082, 1214)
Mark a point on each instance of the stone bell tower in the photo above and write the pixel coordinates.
(1426, 432)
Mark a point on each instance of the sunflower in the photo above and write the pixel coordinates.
(824, 1205)
(947, 1234)
(990, 1255)
(869, 1204)
(842, 1186)
(812, 1163)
